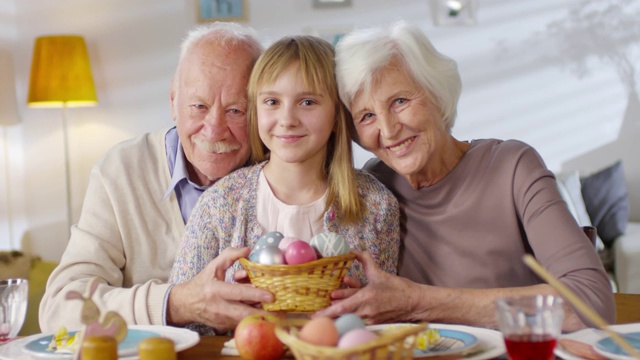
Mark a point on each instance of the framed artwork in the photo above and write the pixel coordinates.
(332, 34)
(454, 12)
(222, 10)
(323, 4)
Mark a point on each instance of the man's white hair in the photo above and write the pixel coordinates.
(226, 33)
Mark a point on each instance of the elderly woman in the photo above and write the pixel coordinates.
(471, 209)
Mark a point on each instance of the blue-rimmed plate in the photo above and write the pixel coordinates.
(182, 338)
(609, 348)
(452, 342)
(129, 346)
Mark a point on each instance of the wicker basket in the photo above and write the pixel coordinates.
(394, 343)
(299, 288)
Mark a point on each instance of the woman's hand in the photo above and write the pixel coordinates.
(386, 297)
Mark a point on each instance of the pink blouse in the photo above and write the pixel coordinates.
(298, 221)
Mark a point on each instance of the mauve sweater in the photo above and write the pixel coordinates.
(472, 228)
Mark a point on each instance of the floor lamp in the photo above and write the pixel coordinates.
(61, 78)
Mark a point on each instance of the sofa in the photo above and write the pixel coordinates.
(627, 259)
(601, 199)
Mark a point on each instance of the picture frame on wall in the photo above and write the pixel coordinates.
(323, 4)
(222, 10)
(454, 12)
(331, 34)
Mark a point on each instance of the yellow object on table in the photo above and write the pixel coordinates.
(100, 347)
(157, 348)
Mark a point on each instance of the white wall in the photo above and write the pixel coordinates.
(10, 136)
(522, 67)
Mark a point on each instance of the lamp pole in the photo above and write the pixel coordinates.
(67, 167)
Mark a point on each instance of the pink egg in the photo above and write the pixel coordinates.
(285, 242)
(299, 252)
(356, 337)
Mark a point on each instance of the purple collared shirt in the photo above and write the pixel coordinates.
(187, 192)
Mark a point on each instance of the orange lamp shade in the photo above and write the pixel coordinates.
(61, 73)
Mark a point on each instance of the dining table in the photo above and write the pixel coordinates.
(209, 347)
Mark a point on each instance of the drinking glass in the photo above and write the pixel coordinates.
(530, 325)
(13, 307)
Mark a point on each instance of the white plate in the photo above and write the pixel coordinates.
(591, 336)
(609, 348)
(128, 346)
(183, 339)
(489, 340)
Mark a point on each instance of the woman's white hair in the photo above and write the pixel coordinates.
(226, 33)
(361, 53)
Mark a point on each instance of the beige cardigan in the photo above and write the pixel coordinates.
(127, 235)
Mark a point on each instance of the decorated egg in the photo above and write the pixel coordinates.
(348, 322)
(299, 252)
(330, 244)
(271, 255)
(285, 242)
(254, 255)
(272, 238)
(356, 337)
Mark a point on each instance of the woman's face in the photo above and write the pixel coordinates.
(294, 122)
(398, 122)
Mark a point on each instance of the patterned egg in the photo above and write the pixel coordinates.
(271, 255)
(254, 255)
(330, 244)
(272, 238)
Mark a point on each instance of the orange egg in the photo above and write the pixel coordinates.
(320, 331)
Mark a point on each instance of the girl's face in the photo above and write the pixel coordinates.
(294, 122)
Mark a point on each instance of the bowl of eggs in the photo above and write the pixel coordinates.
(347, 338)
(300, 275)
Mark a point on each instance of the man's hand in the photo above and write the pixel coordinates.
(385, 298)
(209, 300)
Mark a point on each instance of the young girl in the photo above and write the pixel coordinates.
(303, 181)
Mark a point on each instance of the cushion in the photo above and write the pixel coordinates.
(606, 199)
(571, 191)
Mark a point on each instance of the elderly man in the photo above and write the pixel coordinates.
(141, 193)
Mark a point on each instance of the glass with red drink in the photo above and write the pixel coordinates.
(530, 325)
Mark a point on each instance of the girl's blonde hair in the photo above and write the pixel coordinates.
(315, 58)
